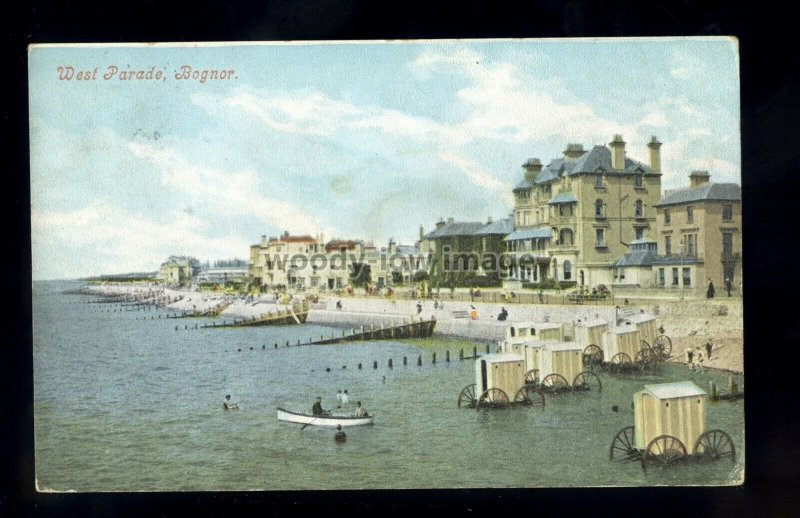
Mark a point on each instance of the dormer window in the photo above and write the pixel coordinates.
(637, 181)
(598, 181)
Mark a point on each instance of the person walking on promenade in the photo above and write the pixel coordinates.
(710, 290)
(709, 346)
(419, 307)
(471, 295)
(728, 286)
(689, 356)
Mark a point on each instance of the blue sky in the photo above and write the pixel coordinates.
(352, 140)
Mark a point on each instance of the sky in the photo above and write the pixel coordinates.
(344, 139)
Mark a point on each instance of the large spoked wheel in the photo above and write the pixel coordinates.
(493, 398)
(662, 346)
(587, 380)
(529, 396)
(592, 355)
(555, 383)
(715, 444)
(467, 397)
(620, 358)
(664, 450)
(622, 446)
(646, 356)
(532, 377)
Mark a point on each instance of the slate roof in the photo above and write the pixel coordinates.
(705, 192)
(650, 258)
(455, 229)
(599, 157)
(500, 227)
(535, 233)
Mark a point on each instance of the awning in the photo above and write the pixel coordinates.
(535, 233)
(562, 197)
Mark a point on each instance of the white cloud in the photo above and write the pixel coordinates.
(685, 66)
(227, 194)
(478, 176)
(103, 238)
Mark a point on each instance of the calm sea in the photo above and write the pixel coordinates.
(123, 401)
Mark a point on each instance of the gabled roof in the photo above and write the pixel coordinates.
(636, 258)
(598, 159)
(705, 192)
(500, 227)
(534, 233)
(502, 357)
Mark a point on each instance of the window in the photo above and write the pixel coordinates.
(600, 237)
(598, 181)
(727, 244)
(689, 214)
(687, 277)
(637, 181)
(567, 270)
(691, 242)
(674, 276)
(598, 208)
(661, 276)
(638, 209)
(668, 245)
(565, 237)
(727, 212)
(667, 219)
(639, 233)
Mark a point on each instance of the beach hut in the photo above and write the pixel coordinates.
(530, 352)
(646, 323)
(561, 367)
(499, 381)
(670, 426)
(535, 331)
(622, 344)
(589, 335)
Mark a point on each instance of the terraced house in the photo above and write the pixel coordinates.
(575, 216)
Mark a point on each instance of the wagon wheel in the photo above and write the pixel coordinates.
(467, 397)
(715, 444)
(622, 446)
(645, 357)
(529, 396)
(532, 377)
(592, 355)
(556, 383)
(587, 380)
(663, 346)
(620, 358)
(493, 398)
(664, 450)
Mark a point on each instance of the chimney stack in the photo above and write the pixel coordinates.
(573, 151)
(531, 167)
(698, 178)
(421, 233)
(450, 221)
(489, 221)
(655, 154)
(440, 223)
(617, 153)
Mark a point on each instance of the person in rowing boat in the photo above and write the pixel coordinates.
(228, 404)
(339, 436)
(360, 410)
(317, 409)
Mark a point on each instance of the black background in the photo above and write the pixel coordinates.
(770, 168)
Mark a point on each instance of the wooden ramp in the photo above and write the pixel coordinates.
(293, 315)
(408, 329)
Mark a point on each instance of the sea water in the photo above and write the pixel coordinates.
(125, 402)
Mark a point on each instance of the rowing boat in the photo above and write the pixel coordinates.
(325, 420)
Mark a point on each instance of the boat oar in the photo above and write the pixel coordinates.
(310, 422)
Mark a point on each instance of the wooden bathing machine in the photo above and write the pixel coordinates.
(676, 409)
(590, 332)
(646, 323)
(503, 371)
(535, 331)
(622, 343)
(560, 358)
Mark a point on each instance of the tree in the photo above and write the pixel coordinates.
(420, 276)
(360, 274)
(397, 277)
